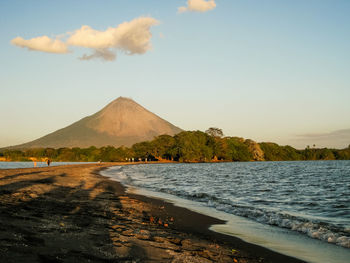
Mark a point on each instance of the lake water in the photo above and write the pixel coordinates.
(306, 205)
(14, 165)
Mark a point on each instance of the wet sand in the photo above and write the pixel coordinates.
(73, 214)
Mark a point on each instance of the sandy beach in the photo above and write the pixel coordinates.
(73, 214)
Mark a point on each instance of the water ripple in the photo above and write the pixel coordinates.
(309, 197)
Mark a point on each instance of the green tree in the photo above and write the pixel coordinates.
(237, 150)
(215, 132)
(143, 150)
(162, 147)
(192, 146)
(275, 152)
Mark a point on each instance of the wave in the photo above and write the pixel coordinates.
(298, 214)
(318, 230)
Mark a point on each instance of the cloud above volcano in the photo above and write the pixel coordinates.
(133, 37)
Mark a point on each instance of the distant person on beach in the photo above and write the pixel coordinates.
(48, 162)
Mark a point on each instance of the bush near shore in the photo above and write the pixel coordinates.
(187, 146)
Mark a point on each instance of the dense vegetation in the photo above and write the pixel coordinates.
(187, 146)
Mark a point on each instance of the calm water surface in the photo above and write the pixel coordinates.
(14, 165)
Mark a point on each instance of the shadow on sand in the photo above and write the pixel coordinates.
(45, 219)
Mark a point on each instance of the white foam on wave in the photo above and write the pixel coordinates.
(116, 173)
(277, 239)
(285, 238)
(316, 230)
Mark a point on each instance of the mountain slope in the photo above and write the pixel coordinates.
(122, 122)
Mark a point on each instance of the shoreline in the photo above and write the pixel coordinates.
(72, 212)
(198, 225)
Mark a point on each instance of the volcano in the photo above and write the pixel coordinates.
(121, 122)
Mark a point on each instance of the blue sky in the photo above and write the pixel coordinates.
(266, 70)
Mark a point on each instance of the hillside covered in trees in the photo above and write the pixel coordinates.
(186, 146)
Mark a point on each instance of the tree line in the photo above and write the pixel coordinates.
(186, 146)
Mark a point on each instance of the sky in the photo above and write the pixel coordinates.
(266, 70)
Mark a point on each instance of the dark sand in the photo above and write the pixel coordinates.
(73, 214)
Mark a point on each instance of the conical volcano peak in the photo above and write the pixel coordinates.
(122, 122)
(120, 109)
(125, 117)
(123, 100)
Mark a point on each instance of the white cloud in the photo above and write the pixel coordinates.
(198, 6)
(43, 43)
(132, 37)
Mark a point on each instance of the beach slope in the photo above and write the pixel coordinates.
(73, 214)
